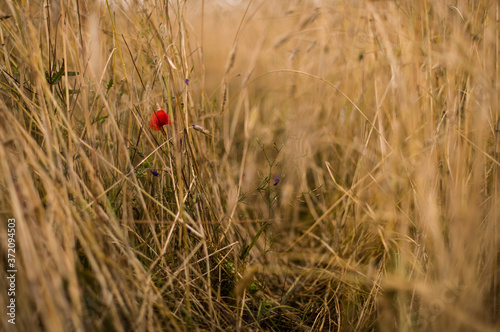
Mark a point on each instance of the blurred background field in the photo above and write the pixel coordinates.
(331, 165)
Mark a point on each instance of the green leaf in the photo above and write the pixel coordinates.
(110, 84)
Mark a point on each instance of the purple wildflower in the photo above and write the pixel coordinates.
(154, 172)
(276, 181)
(186, 81)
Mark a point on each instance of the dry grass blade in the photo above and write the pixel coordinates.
(321, 168)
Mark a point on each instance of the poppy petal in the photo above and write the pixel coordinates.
(158, 120)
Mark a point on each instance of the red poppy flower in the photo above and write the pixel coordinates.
(158, 120)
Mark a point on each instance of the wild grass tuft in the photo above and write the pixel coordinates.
(329, 166)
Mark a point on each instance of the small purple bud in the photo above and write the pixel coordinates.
(186, 81)
(276, 181)
(154, 172)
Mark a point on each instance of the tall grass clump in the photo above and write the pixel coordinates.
(330, 165)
